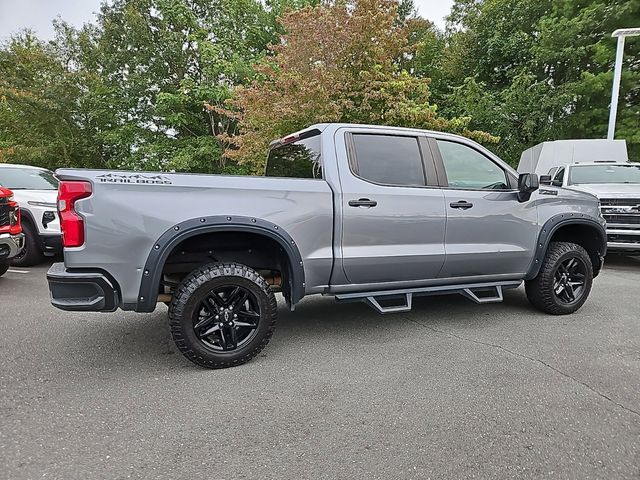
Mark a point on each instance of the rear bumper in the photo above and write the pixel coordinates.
(81, 290)
(10, 245)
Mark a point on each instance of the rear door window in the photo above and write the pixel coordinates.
(388, 159)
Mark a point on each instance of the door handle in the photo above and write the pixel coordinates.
(462, 204)
(363, 202)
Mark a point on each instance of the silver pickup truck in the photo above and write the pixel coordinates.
(362, 213)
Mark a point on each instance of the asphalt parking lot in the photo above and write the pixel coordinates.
(452, 390)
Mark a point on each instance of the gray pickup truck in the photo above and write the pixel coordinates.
(362, 213)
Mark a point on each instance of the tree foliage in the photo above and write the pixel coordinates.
(40, 119)
(204, 85)
(137, 80)
(534, 71)
(158, 62)
(337, 62)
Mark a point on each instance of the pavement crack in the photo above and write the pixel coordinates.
(532, 359)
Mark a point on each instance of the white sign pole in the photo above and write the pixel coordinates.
(617, 73)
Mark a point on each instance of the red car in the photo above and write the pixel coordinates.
(11, 237)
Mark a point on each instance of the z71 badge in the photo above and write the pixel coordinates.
(134, 178)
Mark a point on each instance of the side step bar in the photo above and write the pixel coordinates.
(396, 301)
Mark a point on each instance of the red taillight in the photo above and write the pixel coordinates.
(71, 224)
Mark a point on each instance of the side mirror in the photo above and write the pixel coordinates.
(527, 184)
(545, 179)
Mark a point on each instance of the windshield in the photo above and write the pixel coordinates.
(610, 173)
(27, 179)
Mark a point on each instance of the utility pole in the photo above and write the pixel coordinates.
(617, 72)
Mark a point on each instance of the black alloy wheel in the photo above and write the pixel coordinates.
(227, 318)
(569, 280)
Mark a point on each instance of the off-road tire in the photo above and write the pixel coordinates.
(31, 254)
(540, 290)
(4, 266)
(188, 296)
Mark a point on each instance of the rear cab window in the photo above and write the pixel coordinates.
(296, 156)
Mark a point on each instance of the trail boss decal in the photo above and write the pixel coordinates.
(133, 178)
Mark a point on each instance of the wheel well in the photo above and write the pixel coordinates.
(27, 217)
(586, 236)
(260, 252)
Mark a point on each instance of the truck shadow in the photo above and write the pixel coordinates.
(144, 343)
(317, 315)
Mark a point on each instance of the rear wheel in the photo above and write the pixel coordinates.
(31, 254)
(222, 315)
(564, 281)
(4, 266)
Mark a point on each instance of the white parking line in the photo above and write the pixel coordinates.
(17, 271)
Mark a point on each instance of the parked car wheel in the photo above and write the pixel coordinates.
(31, 254)
(564, 281)
(222, 315)
(4, 266)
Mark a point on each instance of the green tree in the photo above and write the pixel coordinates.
(131, 90)
(40, 118)
(577, 52)
(544, 67)
(158, 63)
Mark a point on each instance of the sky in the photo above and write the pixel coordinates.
(38, 14)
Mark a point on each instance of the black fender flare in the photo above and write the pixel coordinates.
(151, 276)
(552, 225)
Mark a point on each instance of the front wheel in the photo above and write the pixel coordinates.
(222, 315)
(564, 281)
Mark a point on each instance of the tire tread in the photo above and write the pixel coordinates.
(195, 280)
(540, 290)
